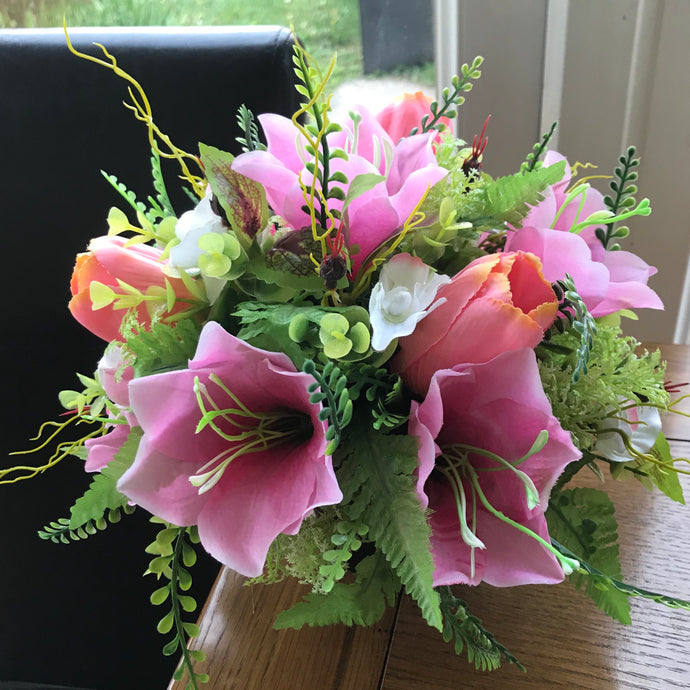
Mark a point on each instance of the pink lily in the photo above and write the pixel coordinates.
(480, 476)
(408, 168)
(233, 445)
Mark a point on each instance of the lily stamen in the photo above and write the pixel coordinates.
(255, 431)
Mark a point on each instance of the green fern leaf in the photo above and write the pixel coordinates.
(377, 479)
(102, 494)
(468, 632)
(361, 603)
(507, 199)
(583, 521)
(164, 347)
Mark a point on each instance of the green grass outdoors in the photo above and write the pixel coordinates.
(324, 26)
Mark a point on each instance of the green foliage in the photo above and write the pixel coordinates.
(376, 475)
(468, 632)
(362, 602)
(583, 520)
(250, 141)
(451, 99)
(487, 204)
(534, 155)
(161, 204)
(295, 328)
(174, 554)
(614, 370)
(384, 391)
(573, 313)
(346, 540)
(626, 589)
(129, 196)
(101, 503)
(624, 190)
(164, 347)
(508, 199)
(330, 389)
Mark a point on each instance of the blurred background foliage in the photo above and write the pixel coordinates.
(325, 26)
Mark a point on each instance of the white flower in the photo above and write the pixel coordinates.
(642, 427)
(189, 228)
(402, 297)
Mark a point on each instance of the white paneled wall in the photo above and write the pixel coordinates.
(613, 73)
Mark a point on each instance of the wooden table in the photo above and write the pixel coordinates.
(559, 635)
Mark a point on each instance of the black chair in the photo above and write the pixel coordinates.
(79, 614)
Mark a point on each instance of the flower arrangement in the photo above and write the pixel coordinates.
(361, 361)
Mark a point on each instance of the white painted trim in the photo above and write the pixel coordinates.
(445, 42)
(555, 40)
(645, 48)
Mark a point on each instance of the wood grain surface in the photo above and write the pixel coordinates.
(557, 632)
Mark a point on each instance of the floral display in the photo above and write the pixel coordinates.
(359, 360)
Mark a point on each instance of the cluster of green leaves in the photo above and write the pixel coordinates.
(383, 391)
(573, 314)
(101, 502)
(468, 632)
(623, 199)
(614, 371)
(451, 97)
(174, 553)
(295, 328)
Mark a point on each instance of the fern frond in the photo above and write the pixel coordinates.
(508, 199)
(164, 347)
(362, 602)
(377, 479)
(583, 521)
(468, 632)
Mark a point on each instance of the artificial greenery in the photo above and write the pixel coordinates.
(250, 141)
(615, 368)
(605, 581)
(330, 391)
(532, 160)
(451, 97)
(376, 476)
(582, 520)
(573, 314)
(362, 602)
(623, 199)
(467, 631)
(101, 502)
(163, 347)
(173, 554)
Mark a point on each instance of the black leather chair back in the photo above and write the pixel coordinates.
(79, 614)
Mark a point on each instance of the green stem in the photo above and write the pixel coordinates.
(568, 564)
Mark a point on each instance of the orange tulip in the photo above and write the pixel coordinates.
(498, 303)
(107, 261)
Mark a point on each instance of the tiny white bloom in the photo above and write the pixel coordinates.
(402, 297)
(642, 427)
